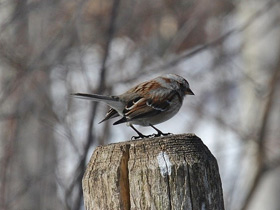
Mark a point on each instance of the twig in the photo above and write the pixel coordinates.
(173, 61)
(262, 136)
(90, 136)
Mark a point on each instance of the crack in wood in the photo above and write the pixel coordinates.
(189, 184)
(124, 179)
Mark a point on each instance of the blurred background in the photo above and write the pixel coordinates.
(229, 51)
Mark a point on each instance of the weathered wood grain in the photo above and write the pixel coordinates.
(172, 172)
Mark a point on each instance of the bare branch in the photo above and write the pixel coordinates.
(101, 87)
(262, 136)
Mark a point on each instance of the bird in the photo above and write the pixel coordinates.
(146, 104)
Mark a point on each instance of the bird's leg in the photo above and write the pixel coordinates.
(140, 135)
(159, 132)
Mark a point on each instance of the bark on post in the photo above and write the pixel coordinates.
(172, 172)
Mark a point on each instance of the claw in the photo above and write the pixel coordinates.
(167, 134)
(140, 137)
(159, 132)
(135, 137)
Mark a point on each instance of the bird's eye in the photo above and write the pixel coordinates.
(182, 86)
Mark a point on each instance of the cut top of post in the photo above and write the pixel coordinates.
(171, 172)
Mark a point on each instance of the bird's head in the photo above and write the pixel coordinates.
(180, 84)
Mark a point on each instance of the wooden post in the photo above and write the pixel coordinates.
(172, 172)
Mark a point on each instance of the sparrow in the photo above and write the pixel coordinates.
(146, 104)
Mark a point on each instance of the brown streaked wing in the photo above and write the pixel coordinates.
(143, 107)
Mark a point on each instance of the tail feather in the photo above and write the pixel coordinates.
(95, 97)
(122, 120)
(112, 101)
(110, 114)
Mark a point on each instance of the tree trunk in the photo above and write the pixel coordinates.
(172, 172)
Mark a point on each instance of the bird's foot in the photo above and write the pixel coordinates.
(141, 137)
(136, 137)
(161, 134)
(167, 134)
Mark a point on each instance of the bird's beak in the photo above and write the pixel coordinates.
(189, 92)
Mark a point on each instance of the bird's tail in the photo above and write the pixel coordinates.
(112, 101)
(95, 97)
